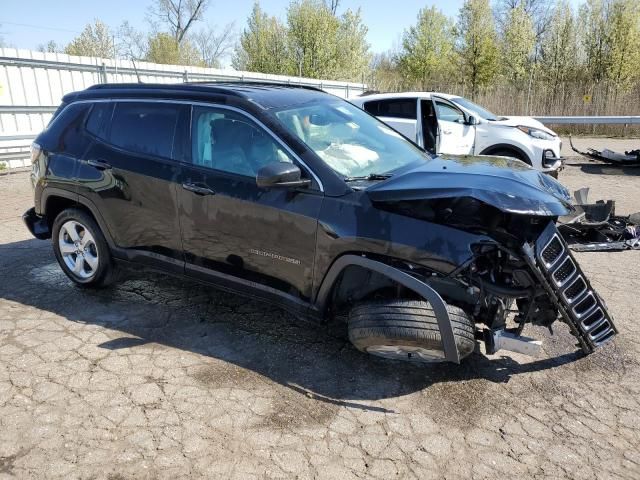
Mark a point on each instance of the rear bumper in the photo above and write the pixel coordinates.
(36, 224)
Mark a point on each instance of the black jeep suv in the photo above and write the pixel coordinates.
(294, 196)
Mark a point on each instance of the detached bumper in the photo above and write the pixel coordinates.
(36, 224)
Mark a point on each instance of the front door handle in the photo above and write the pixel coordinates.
(99, 164)
(197, 189)
(447, 132)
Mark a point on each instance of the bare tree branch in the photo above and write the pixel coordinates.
(178, 15)
(214, 45)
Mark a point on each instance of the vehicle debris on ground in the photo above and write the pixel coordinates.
(596, 227)
(630, 158)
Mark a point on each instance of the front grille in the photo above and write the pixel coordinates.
(579, 304)
(564, 272)
(575, 290)
(552, 252)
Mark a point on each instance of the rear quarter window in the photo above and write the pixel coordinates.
(147, 128)
(64, 133)
(98, 118)
(393, 108)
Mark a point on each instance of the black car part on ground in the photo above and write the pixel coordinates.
(628, 159)
(596, 227)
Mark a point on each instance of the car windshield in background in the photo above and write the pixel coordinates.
(477, 109)
(349, 140)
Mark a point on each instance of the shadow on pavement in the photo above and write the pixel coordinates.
(312, 360)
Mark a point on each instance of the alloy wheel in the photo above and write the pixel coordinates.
(78, 249)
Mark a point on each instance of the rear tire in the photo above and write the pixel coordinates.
(81, 249)
(407, 330)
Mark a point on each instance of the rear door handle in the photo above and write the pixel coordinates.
(197, 189)
(447, 132)
(99, 164)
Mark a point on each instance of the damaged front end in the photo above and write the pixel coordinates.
(522, 272)
(540, 281)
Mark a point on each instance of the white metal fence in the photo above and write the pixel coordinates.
(33, 83)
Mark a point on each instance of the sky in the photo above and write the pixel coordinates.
(29, 23)
(60, 20)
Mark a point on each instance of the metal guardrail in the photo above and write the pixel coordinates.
(7, 138)
(18, 155)
(600, 120)
(13, 109)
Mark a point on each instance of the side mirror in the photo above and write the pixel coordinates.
(281, 174)
(471, 120)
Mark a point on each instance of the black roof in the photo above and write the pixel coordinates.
(264, 94)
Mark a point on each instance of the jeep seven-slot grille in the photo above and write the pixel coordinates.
(551, 252)
(564, 272)
(584, 308)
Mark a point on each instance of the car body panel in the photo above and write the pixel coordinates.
(501, 182)
(259, 235)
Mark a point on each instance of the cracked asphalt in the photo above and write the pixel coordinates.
(163, 378)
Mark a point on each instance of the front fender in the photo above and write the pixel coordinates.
(412, 283)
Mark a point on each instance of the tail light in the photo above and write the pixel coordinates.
(35, 152)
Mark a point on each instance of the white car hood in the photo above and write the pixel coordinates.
(524, 121)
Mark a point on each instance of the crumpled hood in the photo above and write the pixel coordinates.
(507, 184)
(524, 121)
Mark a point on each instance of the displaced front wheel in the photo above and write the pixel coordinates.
(407, 330)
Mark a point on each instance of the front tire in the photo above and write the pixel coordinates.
(81, 249)
(407, 330)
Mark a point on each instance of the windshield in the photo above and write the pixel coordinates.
(349, 140)
(477, 109)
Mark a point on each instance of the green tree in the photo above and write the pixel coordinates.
(477, 44)
(352, 47)
(386, 74)
(313, 43)
(428, 48)
(313, 35)
(517, 46)
(558, 54)
(163, 48)
(96, 40)
(624, 44)
(595, 38)
(263, 45)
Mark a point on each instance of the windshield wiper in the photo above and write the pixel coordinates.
(371, 176)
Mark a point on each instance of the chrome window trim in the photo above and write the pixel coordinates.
(211, 105)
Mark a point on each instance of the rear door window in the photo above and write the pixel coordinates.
(393, 108)
(146, 128)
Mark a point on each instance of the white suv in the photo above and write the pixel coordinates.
(443, 123)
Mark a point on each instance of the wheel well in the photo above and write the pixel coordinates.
(515, 152)
(356, 283)
(56, 204)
